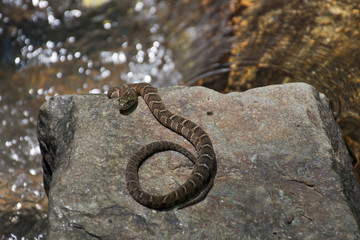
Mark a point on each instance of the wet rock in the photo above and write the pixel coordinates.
(283, 169)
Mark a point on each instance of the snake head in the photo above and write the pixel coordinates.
(127, 99)
(127, 96)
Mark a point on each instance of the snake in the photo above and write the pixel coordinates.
(201, 179)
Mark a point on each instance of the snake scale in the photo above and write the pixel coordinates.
(202, 176)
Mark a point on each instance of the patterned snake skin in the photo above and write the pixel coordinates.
(202, 177)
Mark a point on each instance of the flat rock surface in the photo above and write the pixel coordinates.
(283, 169)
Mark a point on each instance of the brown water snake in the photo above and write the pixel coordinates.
(202, 176)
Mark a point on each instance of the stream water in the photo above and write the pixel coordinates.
(66, 47)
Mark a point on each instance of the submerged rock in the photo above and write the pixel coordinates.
(283, 168)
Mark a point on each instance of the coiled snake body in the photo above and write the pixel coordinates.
(201, 178)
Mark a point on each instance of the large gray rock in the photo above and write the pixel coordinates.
(283, 169)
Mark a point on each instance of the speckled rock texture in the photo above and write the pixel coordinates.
(283, 169)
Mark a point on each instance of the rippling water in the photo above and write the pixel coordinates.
(65, 47)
